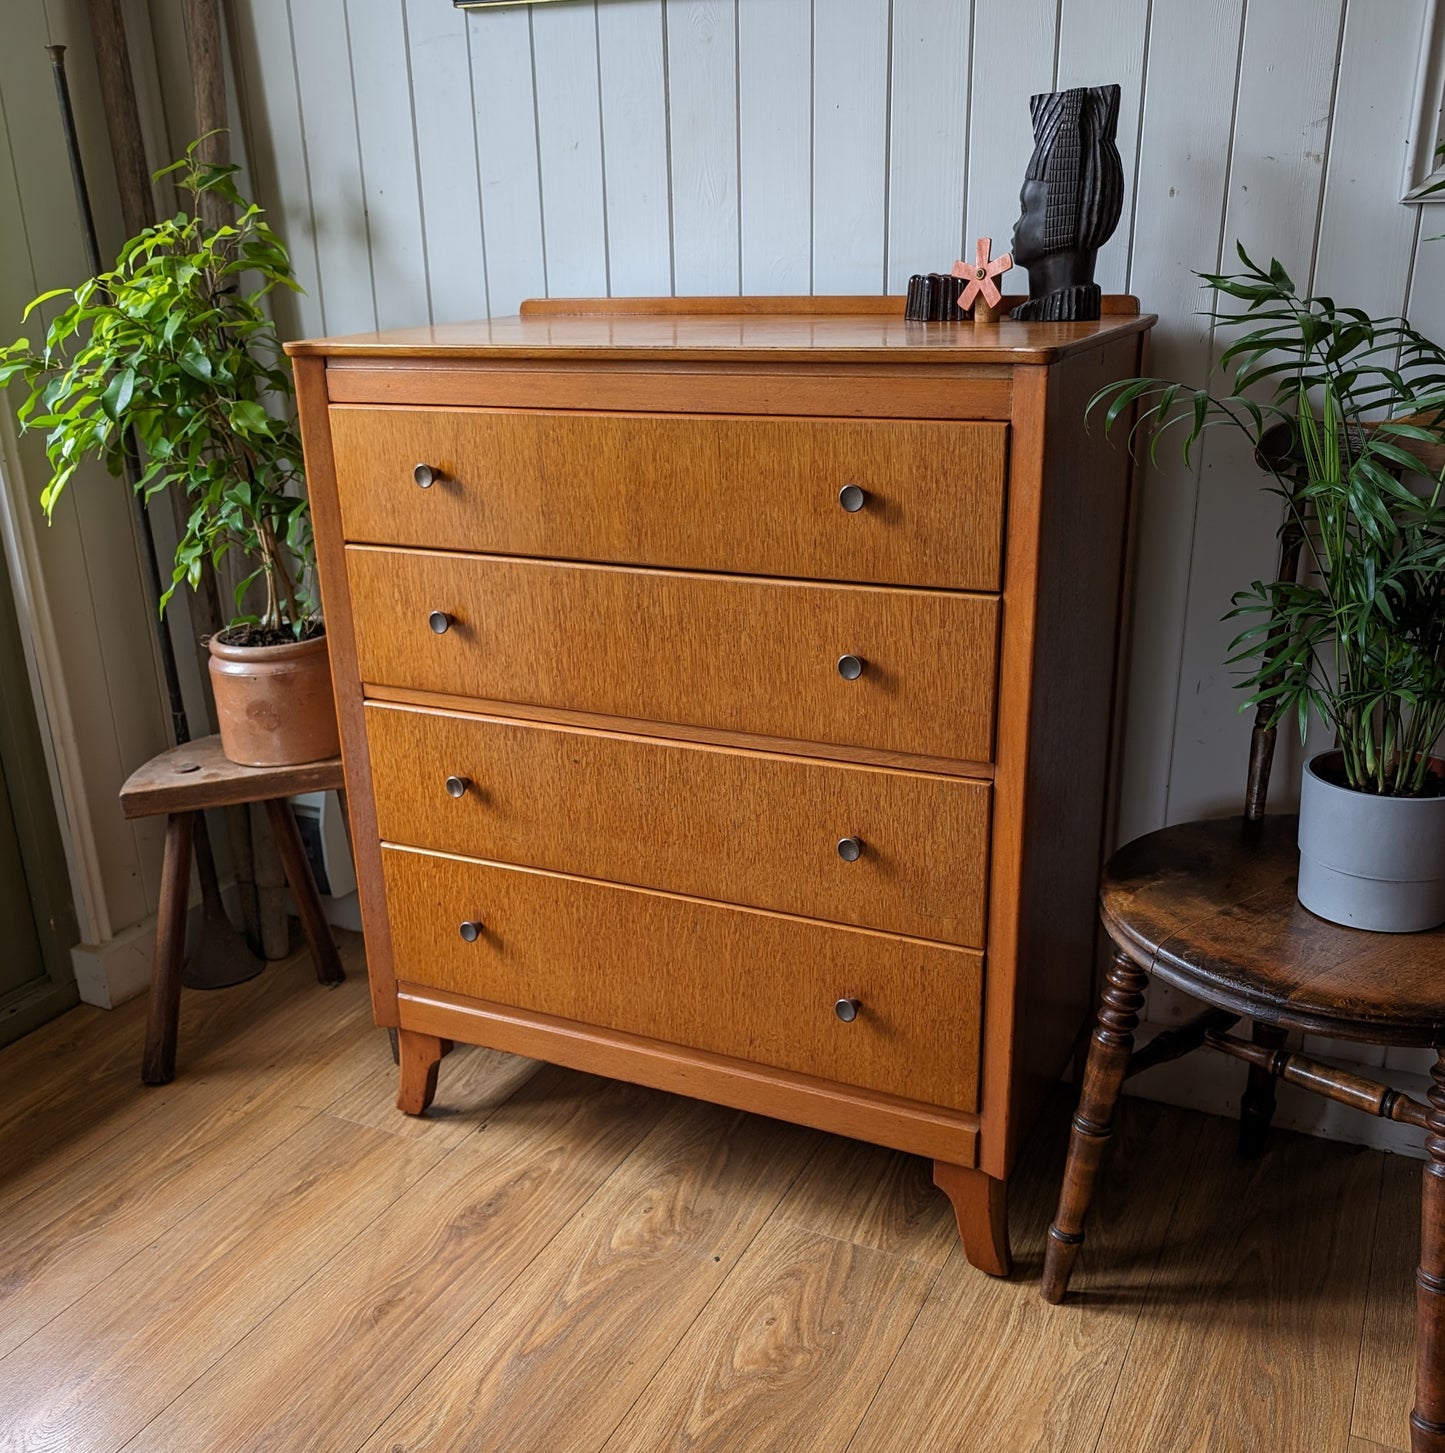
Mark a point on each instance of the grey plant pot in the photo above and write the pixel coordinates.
(1370, 862)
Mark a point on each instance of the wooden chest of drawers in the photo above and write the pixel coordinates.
(725, 690)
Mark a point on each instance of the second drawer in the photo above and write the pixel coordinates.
(772, 658)
(743, 827)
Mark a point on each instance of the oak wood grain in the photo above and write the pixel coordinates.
(578, 949)
(684, 492)
(1302, 1229)
(796, 336)
(1043, 1386)
(841, 1109)
(584, 1327)
(176, 1307)
(754, 828)
(483, 1214)
(787, 1354)
(734, 652)
(1385, 1386)
(681, 732)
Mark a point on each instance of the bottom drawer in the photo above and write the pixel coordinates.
(758, 986)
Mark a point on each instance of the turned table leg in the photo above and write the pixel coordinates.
(1113, 1043)
(420, 1056)
(980, 1206)
(158, 1064)
(1427, 1421)
(303, 889)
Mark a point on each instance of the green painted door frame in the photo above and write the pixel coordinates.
(37, 915)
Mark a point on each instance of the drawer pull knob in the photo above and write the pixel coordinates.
(440, 622)
(847, 1010)
(852, 498)
(424, 475)
(850, 849)
(471, 930)
(850, 668)
(457, 786)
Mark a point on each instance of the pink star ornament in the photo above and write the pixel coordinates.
(980, 275)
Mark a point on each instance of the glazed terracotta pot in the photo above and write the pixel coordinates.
(274, 703)
(1366, 861)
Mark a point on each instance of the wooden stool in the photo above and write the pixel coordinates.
(182, 782)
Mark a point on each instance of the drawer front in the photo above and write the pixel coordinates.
(750, 496)
(757, 656)
(757, 986)
(743, 827)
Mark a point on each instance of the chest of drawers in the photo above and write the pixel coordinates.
(725, 690)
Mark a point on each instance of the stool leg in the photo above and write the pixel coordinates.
(1256, 1109)
(1427, 1420)
(158, 1065)
(303, 890)
(1113, 1043)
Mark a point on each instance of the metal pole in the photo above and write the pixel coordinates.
(180, 727)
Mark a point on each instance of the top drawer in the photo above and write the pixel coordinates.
(740, 495)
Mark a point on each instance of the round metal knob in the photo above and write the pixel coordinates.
(852, 498)
(847, 1010)
(850, 668)
(424, 475)
(457, 786)
(850, 849)
(471, 930)
(440, 622)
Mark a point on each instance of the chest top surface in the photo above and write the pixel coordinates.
(719, 329)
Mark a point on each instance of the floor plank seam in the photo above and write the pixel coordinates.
(1184, 1181)
(898, 1351)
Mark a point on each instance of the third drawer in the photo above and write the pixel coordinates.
(903, 852)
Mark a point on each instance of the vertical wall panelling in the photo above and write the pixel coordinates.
(775, 144)
(634, 147)
(569, 147)
(928, 139)
(850, 146)
(1193, 53)
(1281, 134)
(506, 132)
(1014, 48)
(1091, 54)
(446, 157)
(1362, 215)
(278, 152)
(381, 74)
(703, 144)
(333, 152)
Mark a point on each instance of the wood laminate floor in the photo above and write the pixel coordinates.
(266, 1255)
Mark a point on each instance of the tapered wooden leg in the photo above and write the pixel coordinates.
(1256, 1109)
(980, 1206)
(158, 1063)
(1119, 1007)
(420, 1056)
(303, 890)
(1427, 1421)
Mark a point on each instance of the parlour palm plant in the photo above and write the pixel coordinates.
(1360, 636)
(172, 348)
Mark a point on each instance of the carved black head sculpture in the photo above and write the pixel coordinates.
(1072, 195)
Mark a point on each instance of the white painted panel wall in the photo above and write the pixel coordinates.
(426, 162)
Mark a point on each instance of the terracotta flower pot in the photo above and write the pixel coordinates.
(274, 703)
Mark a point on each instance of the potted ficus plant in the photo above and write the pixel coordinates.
(1359, 637)
(172, 353)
